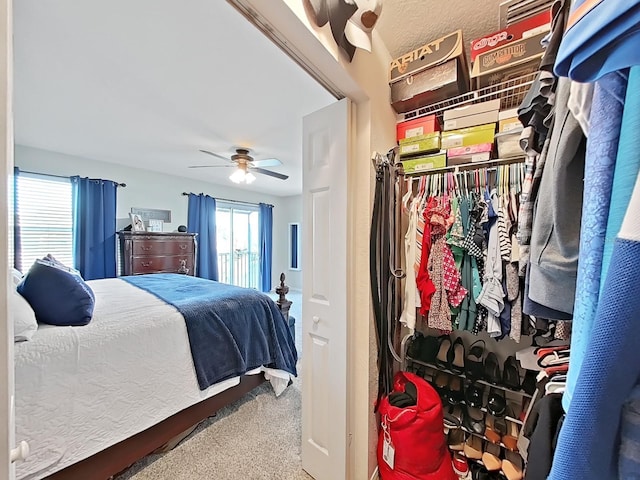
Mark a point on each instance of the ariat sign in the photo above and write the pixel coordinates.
(429, 55)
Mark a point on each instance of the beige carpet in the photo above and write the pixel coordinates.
(256, 438)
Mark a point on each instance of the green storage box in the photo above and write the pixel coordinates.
(428, 143)
(466, 137)
(424, 163)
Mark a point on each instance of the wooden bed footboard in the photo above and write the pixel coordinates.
(115, 459)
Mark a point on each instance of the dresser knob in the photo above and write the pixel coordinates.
(146, 264)
(146, 247)
(183, 247)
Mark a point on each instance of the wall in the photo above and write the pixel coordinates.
(147, 189)
(291, 212)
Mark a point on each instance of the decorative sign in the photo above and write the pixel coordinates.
(153, 214)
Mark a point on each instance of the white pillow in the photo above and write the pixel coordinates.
(24, 319)
(17, 276)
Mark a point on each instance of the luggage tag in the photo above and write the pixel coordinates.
(388, 452)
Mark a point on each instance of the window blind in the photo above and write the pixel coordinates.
(44, 206)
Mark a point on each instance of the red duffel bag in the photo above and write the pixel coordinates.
(411, 444)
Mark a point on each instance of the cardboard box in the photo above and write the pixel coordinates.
(526, 28)
(428, 143)
(471, 149)
(470, 158)
(513, 11)
(466, 137)
(507, 62)
(417, 165)
(417, 126)
(509, 144)
(471, 115)
(429, 74)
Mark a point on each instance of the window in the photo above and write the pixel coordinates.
(237, 242)
(44, 207)
(294, 246)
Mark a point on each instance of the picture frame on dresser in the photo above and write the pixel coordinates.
(137, 224)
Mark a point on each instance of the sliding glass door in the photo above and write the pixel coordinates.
(238, 252)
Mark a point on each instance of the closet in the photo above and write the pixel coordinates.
(508, 243)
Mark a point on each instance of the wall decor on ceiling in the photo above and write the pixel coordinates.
(351, 21)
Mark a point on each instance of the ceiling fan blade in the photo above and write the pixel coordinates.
(270, 173)
(216, 155)
(267, 162)
(211, 166)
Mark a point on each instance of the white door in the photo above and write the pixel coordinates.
(324, 269)
(6, 170)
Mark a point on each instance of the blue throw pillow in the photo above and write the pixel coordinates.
(57, 295)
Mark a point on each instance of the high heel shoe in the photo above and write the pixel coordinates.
(474, 394)
(491, 457)
(496, 403)
(495, 428)
(511, 373)
(473, 447)
(474, 420)
(512, 465)
(510, 437)
(442, 358)
(492, 369)
(455, 357)
(474, 363)
(455, 394)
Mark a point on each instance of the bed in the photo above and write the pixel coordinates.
(91, 400)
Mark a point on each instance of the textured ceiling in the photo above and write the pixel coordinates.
(150, 82)
(405, 25)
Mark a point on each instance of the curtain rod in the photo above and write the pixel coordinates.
(229, 200)
(60, 176)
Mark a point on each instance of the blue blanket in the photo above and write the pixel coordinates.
(231, 329)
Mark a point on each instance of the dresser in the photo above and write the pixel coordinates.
(157, 252)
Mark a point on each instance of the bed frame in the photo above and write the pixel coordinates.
(117, 458)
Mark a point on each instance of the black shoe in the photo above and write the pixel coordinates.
(474, 395)
(529, 383)
(496, 403)
(474, 420)
(492, 369)
(511, 373)
(444, 345)
(428, 349)
(474, 362)
(455, 357)
(455, 394)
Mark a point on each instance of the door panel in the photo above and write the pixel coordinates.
(324, 325)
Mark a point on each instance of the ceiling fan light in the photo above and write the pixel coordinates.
(249, 178)
(238, 176)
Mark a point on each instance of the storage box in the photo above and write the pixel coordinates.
(508, 120)
(526, 28)
(509, 144)
(469, 158)
(513, 11)
(466, 137)
(423, 144)
(417, 165)
(509, 61)
(429, 74)
(471, 115)
(417, 126)
(470, 150)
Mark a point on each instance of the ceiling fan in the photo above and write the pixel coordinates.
(245, 166)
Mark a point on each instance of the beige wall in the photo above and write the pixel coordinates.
(147, 189)
(291, 212)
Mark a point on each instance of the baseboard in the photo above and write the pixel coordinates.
(376, 474)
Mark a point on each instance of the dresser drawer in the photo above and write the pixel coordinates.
(164, 264)
(162, 247)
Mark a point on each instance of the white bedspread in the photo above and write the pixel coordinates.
(80, 390)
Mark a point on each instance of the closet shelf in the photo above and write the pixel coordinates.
(469, 166)
(461, 375)
(510, 93)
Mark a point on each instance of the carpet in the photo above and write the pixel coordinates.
(255, 438)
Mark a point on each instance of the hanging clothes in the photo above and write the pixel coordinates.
(408, 317)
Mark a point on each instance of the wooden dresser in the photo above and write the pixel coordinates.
(155, 252)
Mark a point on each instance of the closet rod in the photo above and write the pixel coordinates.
(59, 176)
(229, 200)
(469, 166)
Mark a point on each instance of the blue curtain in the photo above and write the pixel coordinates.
(266, 245)
(202, 220)
(17, 238)
(94, 227)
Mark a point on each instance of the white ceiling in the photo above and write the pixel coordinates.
(405, 25)
(150, 82)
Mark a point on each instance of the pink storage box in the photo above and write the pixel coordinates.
(471, 149)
